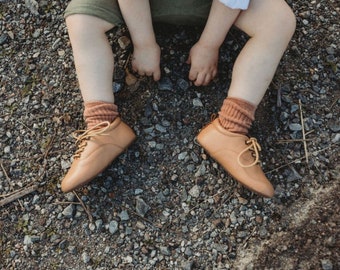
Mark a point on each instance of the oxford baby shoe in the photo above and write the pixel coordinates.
(237, 154)
(97, 148)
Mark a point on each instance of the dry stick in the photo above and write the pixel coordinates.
(6, 175)
(85, 207)
(335, 101)
(18, 195)
(293, 140)
(303, 132)
(299, 159)
(144, 218)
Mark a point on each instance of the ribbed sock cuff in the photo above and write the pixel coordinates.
(99, 111)
(237, 115)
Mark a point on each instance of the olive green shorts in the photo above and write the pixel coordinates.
(186, 12)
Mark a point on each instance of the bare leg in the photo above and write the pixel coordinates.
(270, 25)
(93, 56)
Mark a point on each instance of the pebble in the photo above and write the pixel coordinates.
(28, 240)
(124, 216)
(140, 225)
(85, 257)
(68, 211)
(113, 227)
(195, 191)
(197, 102)
(3, 39)
(326, 264)
(183, 84)
(141, 207)
(165, 251)
(165, 84)
(295, 127)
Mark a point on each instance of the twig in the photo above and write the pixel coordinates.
(303, 132)
(18, 195)
(335, 101)
(293, 140)
(145, 219)
(299, 159)
(85, 207)
(247, 239)
(6, 175)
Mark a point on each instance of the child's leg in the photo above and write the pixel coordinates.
(106, 136)
(93, 56)
(270, 25)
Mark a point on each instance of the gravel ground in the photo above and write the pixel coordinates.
(165, 204)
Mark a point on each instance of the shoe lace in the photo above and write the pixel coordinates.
(255, 148)
(82, 136)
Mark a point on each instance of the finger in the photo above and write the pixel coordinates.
(188, 60)
(214, 73)
(207, 79)
(193, 75)
(157, 75)
(200, 79)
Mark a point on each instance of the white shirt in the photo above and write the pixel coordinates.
(236, 4)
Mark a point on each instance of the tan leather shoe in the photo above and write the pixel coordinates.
(237, 154)
(97, 148)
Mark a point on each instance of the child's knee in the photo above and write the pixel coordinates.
(290, 21)
(86, 23)
(285, 21)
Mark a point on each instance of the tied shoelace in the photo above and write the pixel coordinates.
(255, 148)
(82, 136)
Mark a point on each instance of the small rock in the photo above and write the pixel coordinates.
(124, 42)
(326, 264)
(141, 207)
(99, 224)
(113, 227)
(187, 265)
(183, 84)
(330, 241)
(124, 215)
(195, 191)
(3, 39)
(295, 127)
(28, 240)
(197, 102)
(85, 257)
(7, 149)
(182, 156)
(165, 84)
(68, 211)
(140, 225)
(165, 251)
(330, 50)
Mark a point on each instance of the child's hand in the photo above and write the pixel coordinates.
(146, 61)
(203, 60)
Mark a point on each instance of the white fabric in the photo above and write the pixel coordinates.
(236, 4)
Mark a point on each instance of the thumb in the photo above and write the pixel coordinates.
(157, 75)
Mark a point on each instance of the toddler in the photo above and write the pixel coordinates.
(269, 24)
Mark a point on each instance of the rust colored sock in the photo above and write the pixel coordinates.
(237, 115)
(99, 111)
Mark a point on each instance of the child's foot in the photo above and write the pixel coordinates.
(237, 154)
(97, 148)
